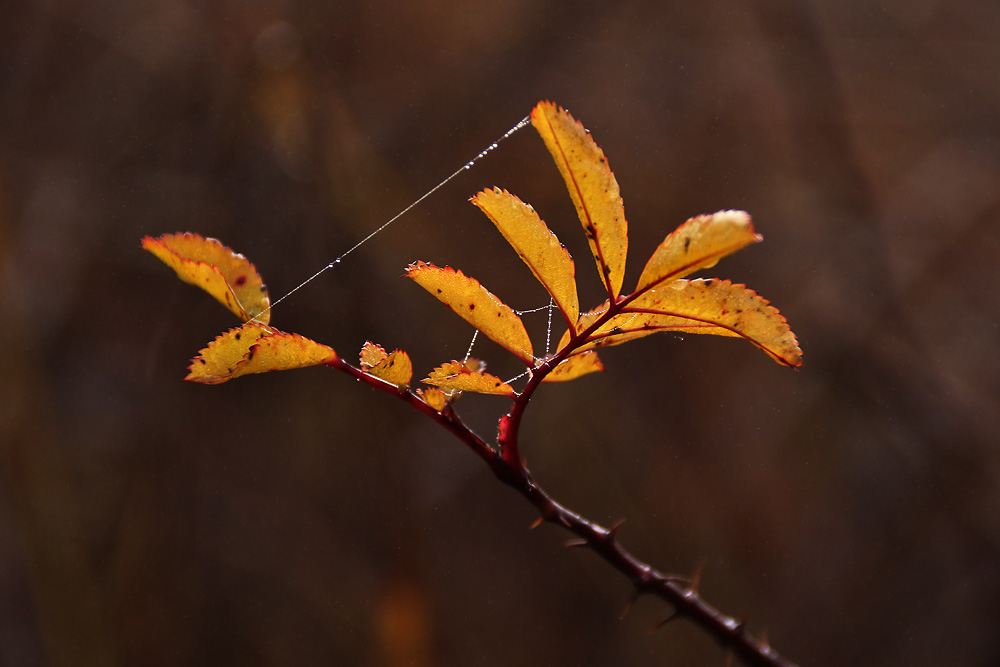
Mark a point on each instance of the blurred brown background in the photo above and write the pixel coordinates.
(852, 509)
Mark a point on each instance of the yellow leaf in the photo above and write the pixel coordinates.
(698, 244)
(283, 351)
(592, 186)
(536, 244)
(711, 306)
(255, 348)
(217, 362)
(371, 355)
(458, 376)
(395, 368)
(574, 367)
(226, 275)
(476, 305)
(433, 397)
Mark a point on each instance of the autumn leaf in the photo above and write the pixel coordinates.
(706, 306)
(226, 275)
(467, 376)
(395, 368)
(433, 397)
(698, 244)
(476, 305)
(217, 362)
(591, 185)
(536, 245)
(255, 348)
(575, 366)
(371, 356)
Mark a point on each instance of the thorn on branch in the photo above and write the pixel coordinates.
(607, 535)
(663, 621)
(576, 543)
(547, 512)
(695, 581)
(628, 605)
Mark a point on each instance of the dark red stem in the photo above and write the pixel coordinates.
(507, 466)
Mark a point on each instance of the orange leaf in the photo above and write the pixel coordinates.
(574, 367)
(592, 186)
(467, 376)
(255, 348)
(433, 397)
(476, 305)
(711, 306)
(395, 368)
(536, 244)
(698, 244)
(226, 275)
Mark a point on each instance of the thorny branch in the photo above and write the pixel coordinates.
(680, 592)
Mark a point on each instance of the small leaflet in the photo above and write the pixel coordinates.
(591, 185)
(371, 355)
(575, 366)
(395, 368)
(433, 397)
(536, 245)
(476, 305)
(226, 275)
(457, 376)
(255, 348)
(698, 244)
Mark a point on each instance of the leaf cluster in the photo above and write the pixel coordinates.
(664, 299)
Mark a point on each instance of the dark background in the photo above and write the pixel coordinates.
(851, 509)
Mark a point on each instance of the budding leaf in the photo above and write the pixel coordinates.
(433, 397)
(476, 305)
(226, 275)
(371, 356)
(395, 368)
(537, 246)
(467, 376)
(591, 185)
